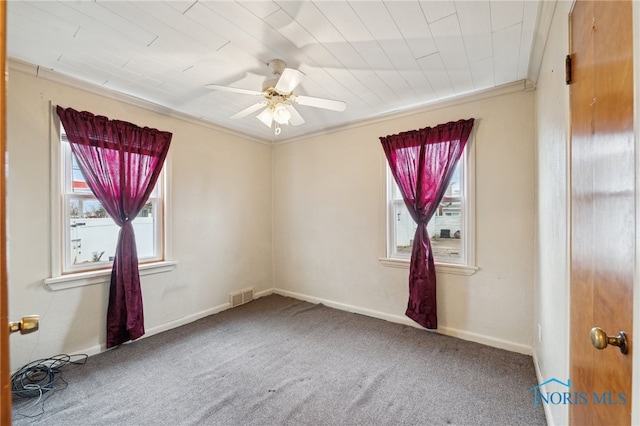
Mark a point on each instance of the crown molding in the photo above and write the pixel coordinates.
(51, 75)
(505, 89)
(546, 9)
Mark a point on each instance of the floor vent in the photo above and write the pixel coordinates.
(240, 297)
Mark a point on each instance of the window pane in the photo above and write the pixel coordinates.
(405, 229)
(144, 225)
(78, 181)
(93, 235)
(445, 230)
(395, 191)
(454, 189)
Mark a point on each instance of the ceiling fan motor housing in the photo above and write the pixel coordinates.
(277, 67)
(270, 84)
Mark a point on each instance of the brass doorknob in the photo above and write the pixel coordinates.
(26, 325)
(600, 340)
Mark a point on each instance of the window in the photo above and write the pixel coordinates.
(451, 228)
(89, 235)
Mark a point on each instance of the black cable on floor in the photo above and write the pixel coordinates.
(42, 376)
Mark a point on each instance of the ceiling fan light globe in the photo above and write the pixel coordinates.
(266, 116)
(281, 114)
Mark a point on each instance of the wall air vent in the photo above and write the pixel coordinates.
(241, 297)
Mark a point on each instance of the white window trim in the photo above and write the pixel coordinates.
(60, 281)
(468, 265)
(103, 276)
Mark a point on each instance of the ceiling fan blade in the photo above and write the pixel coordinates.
(295, 119)
(289, 79)
(266, 116)
(320, 103)
(248, 111)
(233, 89)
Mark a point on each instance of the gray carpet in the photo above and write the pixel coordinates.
(280, 361)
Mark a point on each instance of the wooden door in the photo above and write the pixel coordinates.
(5, 386)
(602, 207)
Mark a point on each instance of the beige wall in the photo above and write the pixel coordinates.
(327, 219)
(551, 295)
(220, 222)
(329, 223)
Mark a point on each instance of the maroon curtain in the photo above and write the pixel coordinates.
(422, 162)
(121, 163)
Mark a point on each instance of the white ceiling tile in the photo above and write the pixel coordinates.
(117, 24)
(450, 44)
(453, 54)
(437, 74)
(506, 13)
(173, 27)
(475, 24)
(482, 73)
(180, 6)
(262, 8)
(32, 46)
(255, 27)
(58, 26)
(221, 68)
(400, 86)
(384, 30)
(172, 49)
(420, 83)
(377, 19)
(526, 41)
(436, 10)
(345, 20)
(411, 22)
(506, 44)
(81, 68)
(318, 54)
(323, 32)
(302, 39)
(381, 89)
(208, 18)
(361, 52)
(462, 81)
(77, 48)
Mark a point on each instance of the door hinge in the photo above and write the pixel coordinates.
(567, 69)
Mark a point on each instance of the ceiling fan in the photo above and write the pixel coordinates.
(279, 98)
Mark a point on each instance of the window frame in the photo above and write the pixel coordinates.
(467, 263)
(60, 278)
(68, 194)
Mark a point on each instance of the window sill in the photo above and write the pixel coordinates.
(102, 276)
(444, 268)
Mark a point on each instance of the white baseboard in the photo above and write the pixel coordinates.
(547, 410)
(186, 320)
(96, 349)
(400, 319)
(263, 293)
